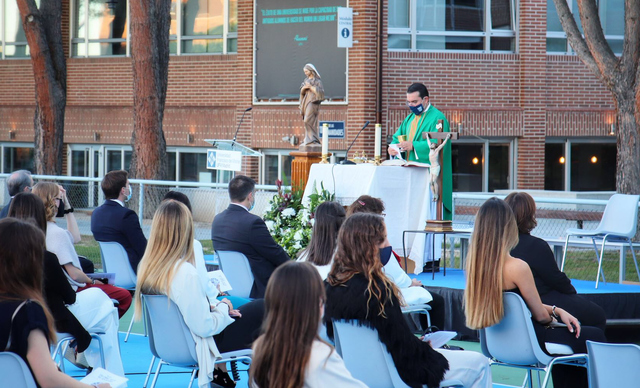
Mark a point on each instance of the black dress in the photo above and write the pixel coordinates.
(30, 317)
(416, 361)
(553, 285)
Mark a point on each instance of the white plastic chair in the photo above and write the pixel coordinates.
(171, 340)
(613, 365)
(236, 268)
(15, 372)
(63, 342)
(513, 343)
(116, 260)
(619, 223)
(419, 309)
(367, 358)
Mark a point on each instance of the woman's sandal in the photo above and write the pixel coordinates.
(222, 379)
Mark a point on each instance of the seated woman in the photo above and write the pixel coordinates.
(329, 217)
(60, 242)
(491, 270)
(26, 326)
(358, 289)
(289, 352)
(411, 289)
(552, 284)
(168, 268)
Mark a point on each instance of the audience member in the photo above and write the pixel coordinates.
(26, 325)
(60, 242)
(289, 353)
(212, 291)
(18, 182)
(553, 285)
(328, 219)
(358, 289)
(91, 309)
(236, 229)
(114, 222)
(411, 290)
(168, 268)
(491, 270)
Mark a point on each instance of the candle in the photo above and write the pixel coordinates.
(378, 141)
(325, 139)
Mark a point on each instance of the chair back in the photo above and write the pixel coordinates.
(116, 260)
(613, 365)
(365, 356)
(513, 340)
(15, 372)
(169, 337)
(620, 216)
(236, 268)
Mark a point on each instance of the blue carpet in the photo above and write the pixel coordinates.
(455, 279)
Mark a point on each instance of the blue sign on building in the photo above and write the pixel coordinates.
(336, 129)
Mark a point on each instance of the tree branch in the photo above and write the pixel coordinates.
(575, 38)
(594, 36)
(631, 45)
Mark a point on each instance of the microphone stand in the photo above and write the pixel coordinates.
(235, 135)
(347, 161)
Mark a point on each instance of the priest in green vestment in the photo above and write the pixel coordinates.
(424, 118)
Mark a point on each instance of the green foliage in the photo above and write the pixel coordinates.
(289, 221)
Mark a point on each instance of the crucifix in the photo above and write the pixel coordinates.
(435, 178)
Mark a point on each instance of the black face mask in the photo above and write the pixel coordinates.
(60, 210)
(385, 254)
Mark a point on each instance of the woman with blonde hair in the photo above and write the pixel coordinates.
(168, 268)
(491, 270)
(289, 353)
(26, 326)
(358, 289)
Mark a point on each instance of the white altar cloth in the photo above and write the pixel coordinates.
(404, 190)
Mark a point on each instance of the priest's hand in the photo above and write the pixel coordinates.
(406, 145)
(392, 151)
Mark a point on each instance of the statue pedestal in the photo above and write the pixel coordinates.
(300, 166)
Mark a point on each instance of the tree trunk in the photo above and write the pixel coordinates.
(150, 21)
(43, 29)
(628, 144)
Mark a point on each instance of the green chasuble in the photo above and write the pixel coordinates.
(421, 146)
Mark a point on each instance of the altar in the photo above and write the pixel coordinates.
(404, 191)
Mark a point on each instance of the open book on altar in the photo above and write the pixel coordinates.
(404, 163)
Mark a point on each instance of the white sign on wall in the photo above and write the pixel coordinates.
(224, 160)
(345, 27)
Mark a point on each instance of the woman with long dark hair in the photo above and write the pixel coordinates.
(289, 353)
(26, 325)
(491, 270)
(328, 219)
(359, 289)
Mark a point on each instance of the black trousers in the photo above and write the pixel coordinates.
(241, 333)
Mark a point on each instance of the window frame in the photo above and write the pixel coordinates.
(3, 43)
(226, 35)
(486, 143)
(73, 30)
(486, 35)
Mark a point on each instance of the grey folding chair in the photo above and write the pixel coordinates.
(15, 372)
(171, 341)
(236, 268)
(63, 340)
(619, 223)
(613, 365)
(512, 342)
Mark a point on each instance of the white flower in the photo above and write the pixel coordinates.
(289, 212)
(304, 214)
(312, 221)
(270, 225)
(297, 245)
(298, 235)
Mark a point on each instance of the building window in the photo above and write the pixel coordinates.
(17, 157)
(99, 28)
(12, 36)
(555, 163)
(482, 166)
(461, 25)
(204, 27)
(611, 14)
(580, 164)
(276, 165)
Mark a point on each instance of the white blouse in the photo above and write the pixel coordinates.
(60, 242)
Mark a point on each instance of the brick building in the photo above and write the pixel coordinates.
(530, 114)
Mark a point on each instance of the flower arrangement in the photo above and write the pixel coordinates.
(289, 221)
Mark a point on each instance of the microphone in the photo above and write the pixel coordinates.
(235, 135)
(347, 161)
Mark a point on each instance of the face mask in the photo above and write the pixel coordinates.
(385, 254)
(129, 196)
(253, 204)
(417, 110)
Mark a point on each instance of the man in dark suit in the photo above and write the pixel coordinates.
(112, 221)
(18, 182)
(235, 229)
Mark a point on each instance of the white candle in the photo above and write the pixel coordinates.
(325, 139)
(378, 141)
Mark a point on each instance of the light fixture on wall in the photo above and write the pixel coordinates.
(475, 160)
(12, 134)
(594, 159)
(612, 132)
(291, 139)
(190, 138)
(96, 136)
(562, 160)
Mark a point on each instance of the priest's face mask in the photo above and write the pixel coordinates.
(416, 103)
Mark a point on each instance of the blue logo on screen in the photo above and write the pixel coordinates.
(345, 32)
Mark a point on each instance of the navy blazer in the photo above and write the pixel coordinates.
(235, 229)
(5, 210)
(113, 222)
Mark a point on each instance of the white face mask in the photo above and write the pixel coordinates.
(130, 194)
(253, 202)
